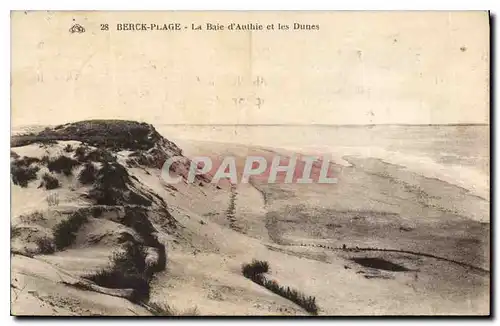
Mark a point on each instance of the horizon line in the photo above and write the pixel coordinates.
(318, 124)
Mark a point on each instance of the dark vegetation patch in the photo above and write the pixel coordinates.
(22, 171)
(100, 155)
(27, 161)
(97, 211)
(45, 142)
(88, 174)
(134, 198)
(112, 175)
(45, 246)
(21, 176)
(62, 164)
(111, 134)
(137, 219)
(49, 182)
(140, 158)
(68, 148)
(153, 158)
(379, 263)
(129, 268)
(128, 271)
(14, 155)
(110, 185)
(65, 232)
(255, 270)
(81, 152)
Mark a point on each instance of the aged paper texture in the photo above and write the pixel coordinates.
(250, 163)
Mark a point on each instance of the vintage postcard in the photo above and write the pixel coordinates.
(250, 163)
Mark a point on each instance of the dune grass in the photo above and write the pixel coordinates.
(255, 270)
(160, 309)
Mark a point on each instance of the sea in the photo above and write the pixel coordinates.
(457, 154)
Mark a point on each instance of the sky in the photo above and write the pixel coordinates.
(358, 68)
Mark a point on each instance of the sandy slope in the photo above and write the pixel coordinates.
(299, 230)
(383, 218)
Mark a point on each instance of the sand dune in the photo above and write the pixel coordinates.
(383, 240)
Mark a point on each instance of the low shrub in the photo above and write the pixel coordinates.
(137, 219)
(112, 175)
(45, 141)
(88, 174)
(45, 246)
(21, 174)
(127, 271)
(65, 232)
(140, 159)
(110, 186)
(45, 159)
(27, 161)
(50, 182)
(62, 164)
(80, 153)
(109, 197)
(100, 155)
(255, 268)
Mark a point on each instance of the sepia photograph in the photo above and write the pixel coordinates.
(250, 163)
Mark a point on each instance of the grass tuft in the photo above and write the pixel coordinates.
(159, 309)
(52, 199)
(255, 270)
